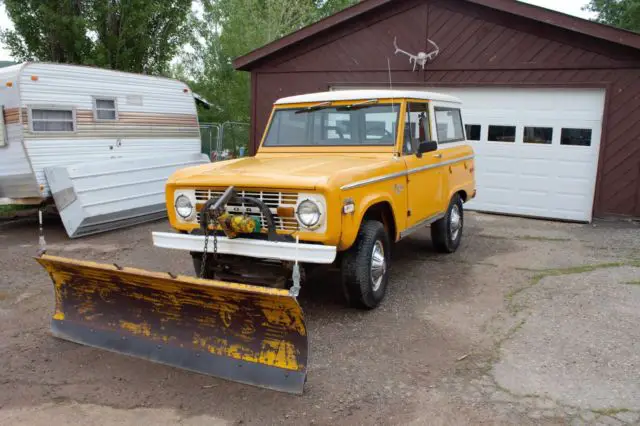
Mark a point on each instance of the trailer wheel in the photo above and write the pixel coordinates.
(365, 266)
(446, 233)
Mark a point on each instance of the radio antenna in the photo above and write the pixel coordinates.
(393, 102)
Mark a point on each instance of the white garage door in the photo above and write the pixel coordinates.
(536, 149)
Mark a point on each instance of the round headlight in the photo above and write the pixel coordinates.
(184, 208)
(308, 213)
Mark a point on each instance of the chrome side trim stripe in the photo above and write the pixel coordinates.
(419, 225)
(441, 164)
(374, 180)
(377, 179)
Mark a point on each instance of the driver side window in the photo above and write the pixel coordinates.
(416, 127)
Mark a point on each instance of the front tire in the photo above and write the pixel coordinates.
(446, 233)
(365, 271)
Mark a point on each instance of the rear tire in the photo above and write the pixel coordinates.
(446, 233)
(365, 271)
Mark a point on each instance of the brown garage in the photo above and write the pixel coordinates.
(512, 64)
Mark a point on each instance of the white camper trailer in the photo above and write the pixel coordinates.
(57, 115)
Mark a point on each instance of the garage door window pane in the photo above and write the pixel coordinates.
(540, 135)
(502, 133)
(473, 132)
(576, 137)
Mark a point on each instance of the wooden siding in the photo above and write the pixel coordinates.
(11, 116)
(128, 125)
(479, 47)
(139, 119)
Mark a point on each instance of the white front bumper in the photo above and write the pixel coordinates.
(304, 253)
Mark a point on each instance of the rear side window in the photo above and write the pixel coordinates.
(575, 137)
(52, 120)
(449, 125)
(502, 133)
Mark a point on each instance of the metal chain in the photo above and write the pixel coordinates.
(203, 266)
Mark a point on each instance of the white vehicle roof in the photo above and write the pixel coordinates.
(348, 95)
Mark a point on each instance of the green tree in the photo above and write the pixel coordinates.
(48, 30)
(619, 13)
(140, 36)
(232, 28)
(129, 35)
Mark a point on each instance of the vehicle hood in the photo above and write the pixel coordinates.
(282, 171)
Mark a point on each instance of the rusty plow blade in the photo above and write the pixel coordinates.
(239, 332)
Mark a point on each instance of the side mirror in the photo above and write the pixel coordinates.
(428, 146)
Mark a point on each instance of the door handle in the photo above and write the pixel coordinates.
(437, 155)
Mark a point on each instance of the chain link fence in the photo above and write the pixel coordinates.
(209, 136)
(223, 141)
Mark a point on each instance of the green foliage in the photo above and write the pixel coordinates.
(619, 13)
(129, 35)
(143, 36)
(49, 30)
(232, 28)
(140, 36)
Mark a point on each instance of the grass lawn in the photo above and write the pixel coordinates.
(8, 210)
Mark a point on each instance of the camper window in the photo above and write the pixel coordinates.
(104, 109)
(52, 120)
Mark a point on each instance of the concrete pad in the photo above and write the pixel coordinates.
(580, 345)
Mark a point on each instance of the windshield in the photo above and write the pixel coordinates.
(322, 125)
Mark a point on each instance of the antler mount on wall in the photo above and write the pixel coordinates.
(421, 58)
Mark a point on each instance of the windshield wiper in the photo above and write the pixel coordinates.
(316, 107)
(359, 105)
(351, 107)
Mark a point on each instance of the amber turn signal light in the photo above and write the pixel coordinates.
(286, 211)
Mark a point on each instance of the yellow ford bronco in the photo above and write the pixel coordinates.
(338, 178)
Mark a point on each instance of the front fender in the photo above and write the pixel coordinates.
(351, 222)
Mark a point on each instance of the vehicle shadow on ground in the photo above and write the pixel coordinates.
(324, 286)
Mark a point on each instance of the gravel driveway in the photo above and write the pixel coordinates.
(530, 322)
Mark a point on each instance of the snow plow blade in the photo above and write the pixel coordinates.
(248, 334)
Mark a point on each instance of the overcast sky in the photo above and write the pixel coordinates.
(571, 7)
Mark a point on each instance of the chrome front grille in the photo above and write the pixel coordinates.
(271, 199)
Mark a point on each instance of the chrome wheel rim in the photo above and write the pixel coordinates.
(378, 265)
(455, 222)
